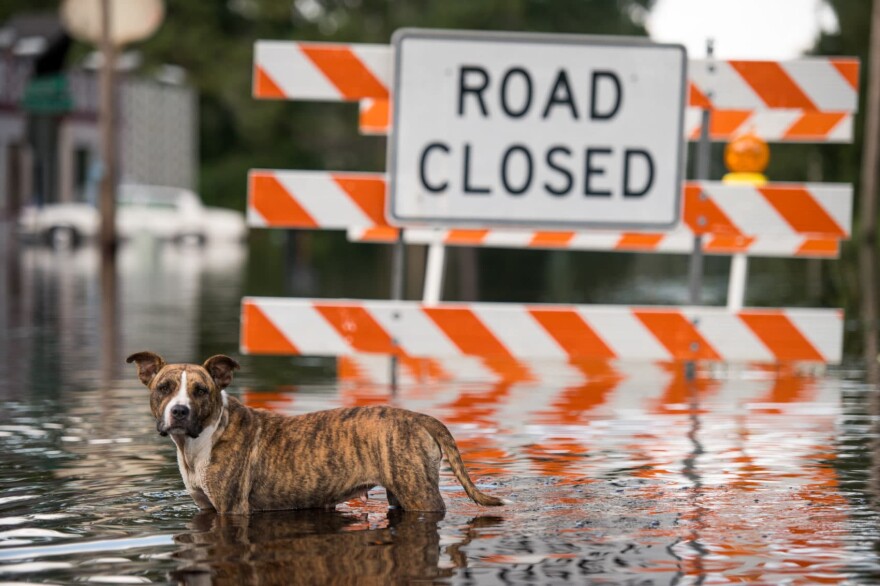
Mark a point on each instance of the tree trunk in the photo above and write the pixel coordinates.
(868, 202)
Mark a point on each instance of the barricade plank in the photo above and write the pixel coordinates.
(680, 241)
(353, 72)
(777, 125)
(814, 83)
(321, 71)
(802, 100)
(771, 220)
(515, 331)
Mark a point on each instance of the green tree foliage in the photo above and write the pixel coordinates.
(9, 8)
(851, 40)
(214, 42)
(843, 163)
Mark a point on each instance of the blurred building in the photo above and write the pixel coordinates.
(49, 140)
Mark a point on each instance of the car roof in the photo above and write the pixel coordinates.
(157, 194)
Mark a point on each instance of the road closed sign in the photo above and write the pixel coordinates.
(503, 129)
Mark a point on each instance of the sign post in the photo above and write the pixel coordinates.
(536, 130)
(704, 153)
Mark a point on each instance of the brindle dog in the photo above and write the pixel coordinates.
(235, 459)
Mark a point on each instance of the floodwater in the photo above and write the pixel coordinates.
(618, 474)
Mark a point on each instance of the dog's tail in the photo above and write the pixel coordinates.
(447, 444)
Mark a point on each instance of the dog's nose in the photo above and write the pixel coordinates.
(179, 411)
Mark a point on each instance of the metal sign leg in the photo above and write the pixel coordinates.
(398, 265)
(434, 273)
(736, 286)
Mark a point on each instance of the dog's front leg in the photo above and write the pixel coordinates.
(232, 503)
(202, 500)
(229, 488)
(236, 508)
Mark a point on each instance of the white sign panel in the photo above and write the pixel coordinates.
(536, 130)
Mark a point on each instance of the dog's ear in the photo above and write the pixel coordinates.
(148, 364)
(220, 368)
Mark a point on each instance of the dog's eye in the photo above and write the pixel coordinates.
(164, 388)
(201, 391)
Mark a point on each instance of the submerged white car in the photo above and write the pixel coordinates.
(167, 213)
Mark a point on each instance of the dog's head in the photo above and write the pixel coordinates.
(185, 398)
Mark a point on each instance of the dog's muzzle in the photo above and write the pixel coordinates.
(181, 423)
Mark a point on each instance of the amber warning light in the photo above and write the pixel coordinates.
(746, 157)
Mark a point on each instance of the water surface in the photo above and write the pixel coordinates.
(619, 474)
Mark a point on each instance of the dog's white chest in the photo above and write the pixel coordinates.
(193, 459)
(193, 462)
(194, 456)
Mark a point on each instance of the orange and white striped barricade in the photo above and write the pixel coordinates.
(351, 72)
(811, 84)
(674, 242)
(514, 331)
(321, 71)
(782, 125)
(801, 100)
(804, 100)
(777, 125)
(804, 220)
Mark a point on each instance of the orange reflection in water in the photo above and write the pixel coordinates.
(734, 475)
(758, 509)
(574, 403)
(271, 400)
(558, 457)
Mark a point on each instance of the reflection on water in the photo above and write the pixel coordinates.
(53, 324)
(736, 479)
(322, 547)
(617, 473)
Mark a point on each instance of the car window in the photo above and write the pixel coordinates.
(147, 204)
(151, 197)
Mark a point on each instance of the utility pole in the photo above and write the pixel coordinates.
(868, 201)
(107, 124)
(109, 25)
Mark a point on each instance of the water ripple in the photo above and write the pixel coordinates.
(86, 547)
